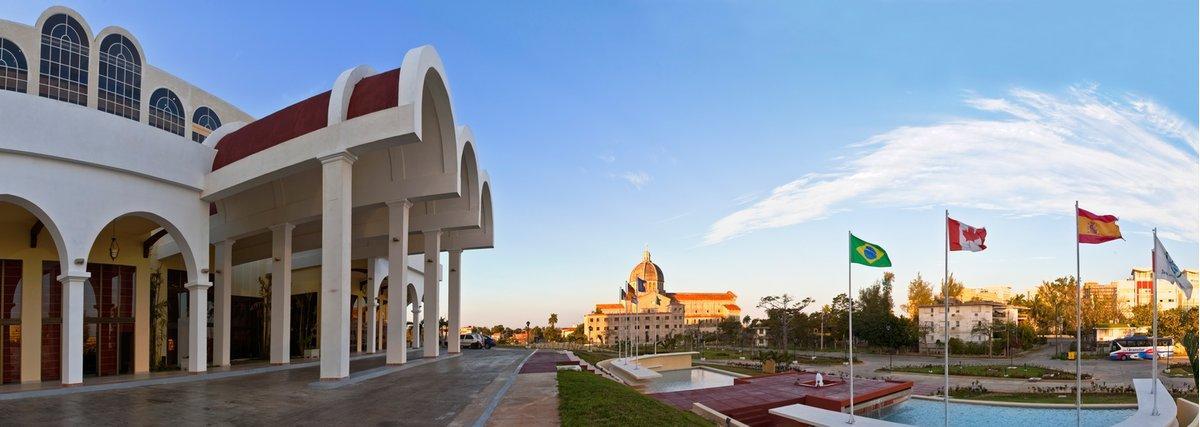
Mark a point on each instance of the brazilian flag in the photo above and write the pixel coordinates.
(868, 254)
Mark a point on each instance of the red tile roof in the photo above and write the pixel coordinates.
(283, 125)
(604, 306)
(704, 296)
(375, 93)
(732, 307)
(371, 94)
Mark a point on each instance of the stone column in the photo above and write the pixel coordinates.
(198, 325)
(336, 171)
(71, 336)
(433, 248)
(377, 270)
(453, 344)
(397, 351)
(222, 298)
(281, 293)
(416, 321)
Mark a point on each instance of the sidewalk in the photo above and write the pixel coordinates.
(532, 400)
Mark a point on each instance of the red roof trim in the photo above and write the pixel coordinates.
(283, 125)
(375, 93)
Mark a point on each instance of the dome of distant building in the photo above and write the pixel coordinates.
(646, 270)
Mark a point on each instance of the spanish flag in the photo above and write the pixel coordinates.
(1096, 228)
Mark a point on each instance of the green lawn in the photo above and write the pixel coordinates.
(991, 371)
(586, 399)
(593, 357)
(1046, 397)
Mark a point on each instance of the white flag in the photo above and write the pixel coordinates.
(1164, 267)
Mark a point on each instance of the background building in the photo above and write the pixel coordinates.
(658, 313)
(965, 319)
(1137, 290)
(996, 293)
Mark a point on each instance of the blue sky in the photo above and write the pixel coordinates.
(741, 140)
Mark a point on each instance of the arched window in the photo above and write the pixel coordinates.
(166, 112)
(120, 85)
(64, 73)
(14, 71)
(204, 121)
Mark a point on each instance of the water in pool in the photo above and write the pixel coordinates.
(688, 379)
(930, 413)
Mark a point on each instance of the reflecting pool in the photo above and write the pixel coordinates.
(688, 379)
(930, 413)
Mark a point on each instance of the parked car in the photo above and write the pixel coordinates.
(488, 342)
(471, 340)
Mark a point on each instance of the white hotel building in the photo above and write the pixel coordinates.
(141, 215)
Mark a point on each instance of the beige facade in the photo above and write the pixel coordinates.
(996, 293)
(964, 319)
(658, 314)
(1137, 290)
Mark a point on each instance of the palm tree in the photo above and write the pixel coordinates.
(553, 320)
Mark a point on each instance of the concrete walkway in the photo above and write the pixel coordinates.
(432, 393)
(531, 399)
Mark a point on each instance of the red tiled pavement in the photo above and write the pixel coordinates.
(543, 361)
(750, 398)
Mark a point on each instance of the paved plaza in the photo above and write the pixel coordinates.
(429, 394)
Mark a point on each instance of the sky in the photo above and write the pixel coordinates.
(740, 141)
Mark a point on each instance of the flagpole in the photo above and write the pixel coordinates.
(1079, 334)
(946, 317)
(1154, 337)
(850, 314)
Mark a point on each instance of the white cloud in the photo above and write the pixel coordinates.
(1130, 157)
(638, 179)
(607, 157)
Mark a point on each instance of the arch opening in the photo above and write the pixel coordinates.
(28, 258)
(64, 60)
(14, 69)
(119, 88)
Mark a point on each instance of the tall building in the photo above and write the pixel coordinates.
(996, 293)
(658, 314)
(1137, 290)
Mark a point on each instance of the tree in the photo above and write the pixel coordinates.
(730, 329)
(781, 310)
(873, 313)
(553, 320)
(984, 329)
(1053, 308)
(953, 288)
(920, 293)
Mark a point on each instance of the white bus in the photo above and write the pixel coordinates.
(1140, 347)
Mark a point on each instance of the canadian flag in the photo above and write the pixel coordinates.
(964, 237)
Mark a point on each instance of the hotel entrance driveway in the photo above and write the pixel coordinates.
(429, 394)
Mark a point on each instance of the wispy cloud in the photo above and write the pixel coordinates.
(1123, 155)
(607, 157)
(673, 218)
(638, 179)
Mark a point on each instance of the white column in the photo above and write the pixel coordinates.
(453, 345)
(397, 351)
(335, 265)
(71, 344)
(222, 298)
(416, 321)
(433, 248)
(358, 328)
(377, 270)
(281, 293)
(198, 325)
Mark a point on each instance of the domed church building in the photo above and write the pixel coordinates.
(656, 313)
